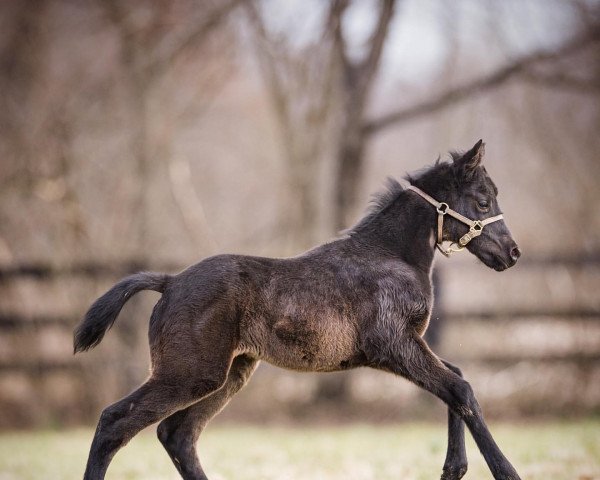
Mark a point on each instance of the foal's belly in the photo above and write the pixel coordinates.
(323, 344)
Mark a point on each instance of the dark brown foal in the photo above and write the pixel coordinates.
(362, 300)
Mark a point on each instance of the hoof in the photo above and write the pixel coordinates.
(454, 472)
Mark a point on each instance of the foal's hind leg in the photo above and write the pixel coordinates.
(455, 465)
(179, 432)
(167, 391)
(417, 363)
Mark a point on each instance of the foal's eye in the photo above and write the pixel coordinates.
(483, 205)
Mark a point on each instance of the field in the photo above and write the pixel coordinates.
(548, 451)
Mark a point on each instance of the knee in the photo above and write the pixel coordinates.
(463, 400)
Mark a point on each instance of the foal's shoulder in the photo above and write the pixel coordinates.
(398, 275)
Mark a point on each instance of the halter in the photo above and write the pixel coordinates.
(475, 226)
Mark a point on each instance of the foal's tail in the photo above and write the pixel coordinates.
(103, 313)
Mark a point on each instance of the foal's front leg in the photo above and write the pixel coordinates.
(417, 363)
(455, 465)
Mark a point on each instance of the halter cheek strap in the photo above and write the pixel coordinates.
(475, 226)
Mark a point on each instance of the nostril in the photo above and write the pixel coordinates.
(515, 253)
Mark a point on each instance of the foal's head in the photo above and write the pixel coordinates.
(467, 188)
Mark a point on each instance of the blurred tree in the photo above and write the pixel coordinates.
(150, 47)
(24, 71)
(320, 93)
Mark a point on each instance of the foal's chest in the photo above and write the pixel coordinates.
(403, 305)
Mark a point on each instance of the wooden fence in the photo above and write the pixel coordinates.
(42, 383)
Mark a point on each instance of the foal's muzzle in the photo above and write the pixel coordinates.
(499, 255)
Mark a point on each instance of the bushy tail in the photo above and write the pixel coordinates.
(103, 313)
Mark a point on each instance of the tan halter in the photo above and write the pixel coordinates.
(475, 226)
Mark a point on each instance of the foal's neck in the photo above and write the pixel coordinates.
(405, 229)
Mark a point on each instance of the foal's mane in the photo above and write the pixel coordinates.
(379, 202)
(383, 199)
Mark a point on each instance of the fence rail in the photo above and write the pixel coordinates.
(517, 315)
(125, 266)
(88, 269)
(37, 345)
(17, 322)
(39, 367)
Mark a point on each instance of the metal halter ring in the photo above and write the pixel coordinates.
(442, 208)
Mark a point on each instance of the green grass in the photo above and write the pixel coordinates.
(548, 451)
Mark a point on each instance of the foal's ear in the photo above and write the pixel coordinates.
(469, 161)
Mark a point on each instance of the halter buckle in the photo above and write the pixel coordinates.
(442, 209)
(474, 231)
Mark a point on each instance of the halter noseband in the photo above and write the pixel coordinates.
(475, 226)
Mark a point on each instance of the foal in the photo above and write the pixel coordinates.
(363, 300)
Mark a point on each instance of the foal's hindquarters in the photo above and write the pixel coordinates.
(195, 370)
(206, 334)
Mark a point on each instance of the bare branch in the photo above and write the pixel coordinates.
(151, 62)
(480, 85)
(267, 62)
(118, 17)
(169, 53)
(334, 25)
(190, 206)
(369, 65)
(563, 81)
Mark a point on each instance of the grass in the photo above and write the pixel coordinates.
(548, 451)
